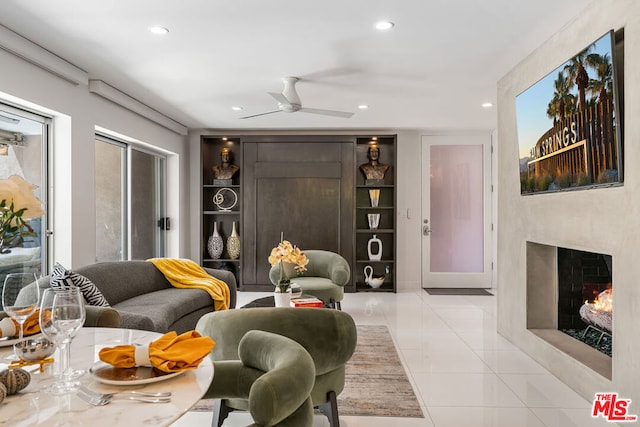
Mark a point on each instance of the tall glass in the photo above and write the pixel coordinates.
(67, 317)
(49, 330)
(20, 303)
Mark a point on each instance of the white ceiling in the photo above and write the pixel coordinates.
(433, 70)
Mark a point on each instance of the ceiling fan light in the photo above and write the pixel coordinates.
(384, 25)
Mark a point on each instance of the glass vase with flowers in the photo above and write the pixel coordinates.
(290, 260)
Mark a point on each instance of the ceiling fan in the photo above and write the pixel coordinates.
(289, 102)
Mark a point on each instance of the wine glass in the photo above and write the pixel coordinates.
(20, 303)
(49, 330)
(67, 317)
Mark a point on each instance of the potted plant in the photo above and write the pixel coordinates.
(287, 255)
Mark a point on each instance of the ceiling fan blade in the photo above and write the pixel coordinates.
(333, 113)
(261, 114)
(279, 97)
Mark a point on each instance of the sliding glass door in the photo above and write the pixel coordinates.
(23, 183)
(147, 237)
(111, 208)
(130, 201)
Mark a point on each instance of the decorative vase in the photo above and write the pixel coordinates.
(374, 256)
(374, 221)
(282, 299)
(233, 244)
(374, 195)
(374, 282)
(215, 244)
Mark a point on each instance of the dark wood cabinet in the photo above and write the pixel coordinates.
(309, 188)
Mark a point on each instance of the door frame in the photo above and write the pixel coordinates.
(482, 279)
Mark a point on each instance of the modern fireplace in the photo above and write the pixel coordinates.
(562, 287)
(585, 290)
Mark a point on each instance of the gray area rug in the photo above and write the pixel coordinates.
(376, 384)
(457, 291)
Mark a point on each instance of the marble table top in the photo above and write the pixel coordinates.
(33, 407)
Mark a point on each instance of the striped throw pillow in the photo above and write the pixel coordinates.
(61, 278)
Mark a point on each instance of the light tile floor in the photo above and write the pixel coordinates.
(463, 372)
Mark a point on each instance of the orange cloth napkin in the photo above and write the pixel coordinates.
(10, 328)
(169, 353)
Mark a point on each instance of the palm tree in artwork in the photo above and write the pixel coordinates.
(578, 75)
(602, 85)
(563, 101)
(552, 110)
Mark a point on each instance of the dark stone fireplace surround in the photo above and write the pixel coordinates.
(543, 301)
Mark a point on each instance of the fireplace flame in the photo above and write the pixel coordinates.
(599, 313)
(604, 301)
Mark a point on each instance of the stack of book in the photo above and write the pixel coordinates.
(306, 302)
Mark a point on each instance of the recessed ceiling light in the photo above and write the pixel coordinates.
(384, 25)
(487, 105)
(236, 108)
(156, 29)
(363, 106)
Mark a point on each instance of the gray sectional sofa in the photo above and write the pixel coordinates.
(145, 300)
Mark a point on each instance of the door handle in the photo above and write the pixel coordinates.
(426, 230)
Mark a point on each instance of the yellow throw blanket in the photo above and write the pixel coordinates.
(184, 273)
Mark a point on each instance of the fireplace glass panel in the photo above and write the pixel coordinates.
(584, 291)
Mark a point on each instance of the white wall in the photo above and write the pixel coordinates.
(602, 220)
(409, 198)
(76, 114)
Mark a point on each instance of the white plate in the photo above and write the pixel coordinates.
(4, 342)
(107, 374)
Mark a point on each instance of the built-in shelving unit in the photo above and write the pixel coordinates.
(228, 193)
(303, 164)
(386, 209)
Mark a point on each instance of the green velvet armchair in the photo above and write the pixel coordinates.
(329, 336)
(327, 274)
(274, 374)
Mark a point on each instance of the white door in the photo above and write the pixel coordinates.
(456, 211)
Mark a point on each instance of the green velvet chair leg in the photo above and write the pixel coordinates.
(330, 409)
